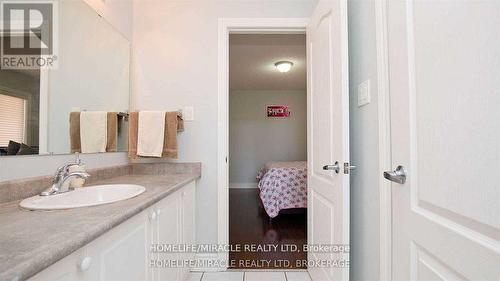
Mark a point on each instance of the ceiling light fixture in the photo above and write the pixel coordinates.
(283, 66)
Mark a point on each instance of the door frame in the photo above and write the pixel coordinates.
(237, 26)
(384, 142)
(227, 26)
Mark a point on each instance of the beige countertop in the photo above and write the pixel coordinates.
(30, 241)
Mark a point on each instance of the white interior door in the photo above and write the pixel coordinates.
(328, 137)
(445, 126)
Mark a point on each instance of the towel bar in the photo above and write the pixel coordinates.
(125, 114)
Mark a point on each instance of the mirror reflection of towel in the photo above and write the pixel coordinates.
(133, 122)
(74, 132)
(112, 132)
(93, 131)
(151, 133)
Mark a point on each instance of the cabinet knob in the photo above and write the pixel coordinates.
(85, 263)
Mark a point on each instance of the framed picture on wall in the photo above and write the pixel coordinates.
(278, 111)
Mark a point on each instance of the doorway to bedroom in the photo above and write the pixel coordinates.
(267, 151)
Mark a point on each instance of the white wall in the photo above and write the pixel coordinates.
(175, 64)
(255, 139)
(364, 143)
(117, 12)
(16, 167)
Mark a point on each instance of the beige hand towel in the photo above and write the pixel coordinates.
(133, 122)
(74, 132)
(93, 131)
(170, 140)
(169, 145)
(151, 133)
(112, 131)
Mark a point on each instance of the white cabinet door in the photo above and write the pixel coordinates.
(167, 231)
(123, 253)
(188, 214)
(188, 210)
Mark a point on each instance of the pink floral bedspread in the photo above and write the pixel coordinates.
(283, 185)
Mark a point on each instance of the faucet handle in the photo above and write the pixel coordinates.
(61, 169)
(64, 169)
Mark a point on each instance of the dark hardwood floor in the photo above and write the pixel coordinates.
(250, 225)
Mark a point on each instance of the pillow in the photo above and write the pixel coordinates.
(26, 150)
(13, 148)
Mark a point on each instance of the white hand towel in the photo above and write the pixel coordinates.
(150, 133)
(93, 131)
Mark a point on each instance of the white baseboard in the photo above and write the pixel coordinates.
(206, 259)
(242, 185)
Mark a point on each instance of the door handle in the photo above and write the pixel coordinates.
(398, 175)
(335, 167)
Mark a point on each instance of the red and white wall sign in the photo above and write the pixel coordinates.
(278, 111)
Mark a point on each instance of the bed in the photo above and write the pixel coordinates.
(283, 185)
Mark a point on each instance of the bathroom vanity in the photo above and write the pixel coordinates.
(107, 242)
(124, 252)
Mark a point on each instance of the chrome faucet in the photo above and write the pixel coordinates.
(60, 183)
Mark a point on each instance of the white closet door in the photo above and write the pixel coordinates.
(445, 126)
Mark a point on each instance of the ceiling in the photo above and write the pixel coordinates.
(252, 58)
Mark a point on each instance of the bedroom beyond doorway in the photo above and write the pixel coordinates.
(267, 150)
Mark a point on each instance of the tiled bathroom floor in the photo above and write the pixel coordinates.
(250, 276)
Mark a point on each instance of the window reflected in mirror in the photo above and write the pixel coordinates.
(19, 111)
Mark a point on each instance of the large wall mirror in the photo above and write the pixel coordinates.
(41, 111)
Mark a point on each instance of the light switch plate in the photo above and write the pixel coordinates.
(364, 95)
(188, 113)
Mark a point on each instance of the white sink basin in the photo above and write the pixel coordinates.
(83, 197)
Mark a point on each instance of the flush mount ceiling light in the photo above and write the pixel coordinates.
(283, 66)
